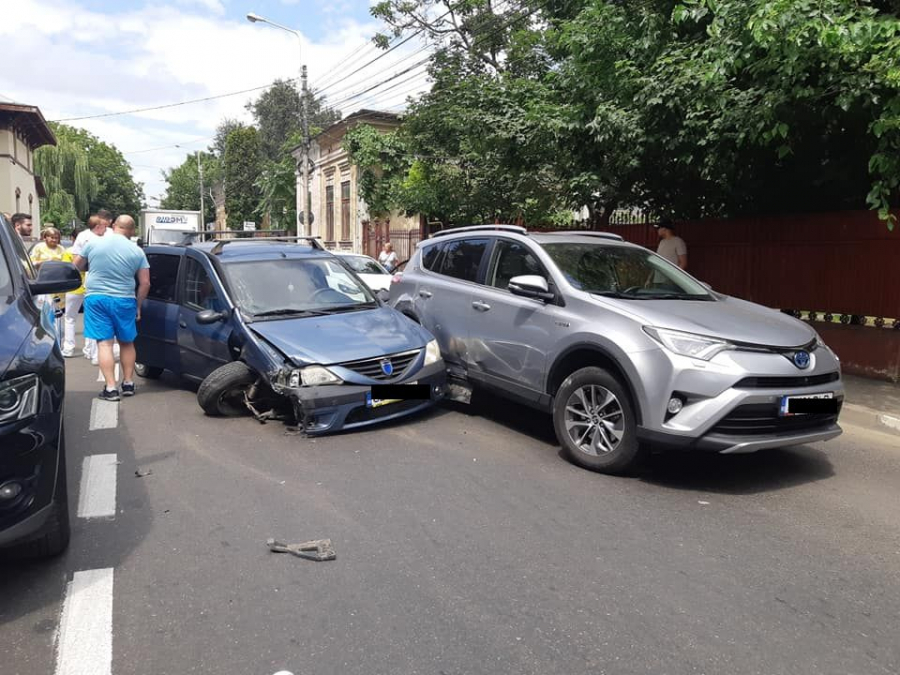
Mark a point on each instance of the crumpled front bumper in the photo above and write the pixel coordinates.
(330, 408)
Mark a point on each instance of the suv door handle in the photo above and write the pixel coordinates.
(182, 324)
(425, 294)
(481, 306)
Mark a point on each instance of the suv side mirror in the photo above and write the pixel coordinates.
(531, 286)
(208, 316)
(55, 276)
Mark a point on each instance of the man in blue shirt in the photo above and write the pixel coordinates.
(111, 306)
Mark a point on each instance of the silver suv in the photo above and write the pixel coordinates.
(627, 351)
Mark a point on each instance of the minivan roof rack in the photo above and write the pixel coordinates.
(589, 233)
(220, 244)
(518, 229)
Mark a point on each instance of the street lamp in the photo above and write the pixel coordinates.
(304, 117)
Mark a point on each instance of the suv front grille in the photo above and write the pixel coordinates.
(372, 368)
(787, 382)
(763, 418)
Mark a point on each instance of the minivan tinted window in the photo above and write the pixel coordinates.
(163, 275)
(462, 258)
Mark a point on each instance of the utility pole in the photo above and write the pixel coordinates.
(304, 112)
(304, 120)
(202, 204)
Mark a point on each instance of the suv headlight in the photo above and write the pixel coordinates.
(432, 353)
(688, 344)
(313, 376)
(19, 398)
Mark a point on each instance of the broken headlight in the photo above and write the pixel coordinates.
(313, 376)
(432, 353)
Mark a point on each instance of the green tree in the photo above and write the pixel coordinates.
(277, 185)
(183, 185)
(277, 113)
(81, 174)
(242, 164)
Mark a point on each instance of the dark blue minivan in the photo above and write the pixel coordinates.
(281, 328)
(34, 513)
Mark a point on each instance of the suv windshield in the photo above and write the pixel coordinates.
(295, 285)
(363, 265)
(623, 272)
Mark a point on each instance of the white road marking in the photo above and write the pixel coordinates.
(104, 415)
(85, 633)
(97, 498)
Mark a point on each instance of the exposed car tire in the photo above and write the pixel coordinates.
(57, 531)
(147, 372)
(221, 394)
(595, 422)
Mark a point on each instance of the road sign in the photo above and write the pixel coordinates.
(249, 226)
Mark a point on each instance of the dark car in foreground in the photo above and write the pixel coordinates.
(283, 329)
(34, 514)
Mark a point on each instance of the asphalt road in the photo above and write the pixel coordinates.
(465, 544)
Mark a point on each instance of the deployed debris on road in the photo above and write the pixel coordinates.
(317, 549)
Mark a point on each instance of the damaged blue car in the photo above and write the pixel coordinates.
(283, 329)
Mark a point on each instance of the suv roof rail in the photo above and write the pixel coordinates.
(518, 229)
(220, 244)
(589, 233)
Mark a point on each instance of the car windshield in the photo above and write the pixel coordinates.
(295, 285)
(362, 264)
(624, 272)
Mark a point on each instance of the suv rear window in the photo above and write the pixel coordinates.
(462, 258)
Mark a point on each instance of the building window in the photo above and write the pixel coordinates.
(329, 213)
(18, 200)
(345, 210)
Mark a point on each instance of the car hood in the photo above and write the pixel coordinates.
(727, 318)
(337, 338)
(15, 327)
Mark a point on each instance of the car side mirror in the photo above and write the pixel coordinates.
(55, 276)
(208, 316)
(531, 286)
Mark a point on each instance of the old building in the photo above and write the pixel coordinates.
(23, 130)
(340, 216)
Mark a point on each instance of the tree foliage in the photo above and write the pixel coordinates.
(691, 107)
(183, 185)
(241, 165)
(81, 174)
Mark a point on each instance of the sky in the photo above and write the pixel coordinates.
(78, 58)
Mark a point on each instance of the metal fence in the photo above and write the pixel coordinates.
(404, 241)
(843, 263)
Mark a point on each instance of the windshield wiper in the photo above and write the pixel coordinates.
(289, 312)
(678, 296)
(616, 294)
(349, 308)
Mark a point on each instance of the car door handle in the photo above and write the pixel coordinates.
(481, 306)
(425, 294)
(182, 324)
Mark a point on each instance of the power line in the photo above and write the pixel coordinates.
(167, 105)
(173, 145)
(368, 99)
(328, 72)
(383, 82)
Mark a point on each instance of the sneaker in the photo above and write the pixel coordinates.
(128, 389)
(95, 361)
(68, 353)
(108, 395)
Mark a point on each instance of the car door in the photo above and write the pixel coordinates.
(510, 336)
(202, 347)
(444, 296)
(157, 339)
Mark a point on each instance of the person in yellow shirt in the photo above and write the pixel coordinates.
(50, 249)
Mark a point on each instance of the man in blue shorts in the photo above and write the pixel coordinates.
(111, 306)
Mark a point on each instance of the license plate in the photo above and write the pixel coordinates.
(807, 403)
(378, 402)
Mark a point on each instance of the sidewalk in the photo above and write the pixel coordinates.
(871, 403)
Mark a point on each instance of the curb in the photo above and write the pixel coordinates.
(867, 417)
